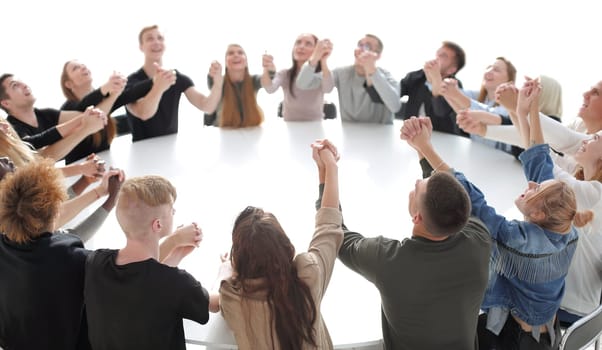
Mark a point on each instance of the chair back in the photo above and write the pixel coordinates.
(583, 332)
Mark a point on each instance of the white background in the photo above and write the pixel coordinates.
(556, 38)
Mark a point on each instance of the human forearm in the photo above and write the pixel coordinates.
(330, 198)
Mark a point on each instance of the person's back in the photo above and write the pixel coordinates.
(41, 303)
(431, 291)
(41, 273)
(140, 305)
(135, 297)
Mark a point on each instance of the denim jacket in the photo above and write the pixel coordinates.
(528, 263)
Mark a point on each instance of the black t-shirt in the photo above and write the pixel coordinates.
(86, 146)
(165, 121)
(41, 293)
(140, 305)
(45, 134)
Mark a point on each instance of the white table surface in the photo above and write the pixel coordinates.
(218, 172)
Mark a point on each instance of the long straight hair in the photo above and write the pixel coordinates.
(109, 131)
(261, 249)
(294, 70)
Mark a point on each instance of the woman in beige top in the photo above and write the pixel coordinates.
(272, 301)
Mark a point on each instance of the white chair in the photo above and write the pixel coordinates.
(583, 332)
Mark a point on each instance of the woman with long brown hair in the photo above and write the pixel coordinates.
(272, 300)
(76, 84)
(238, 106)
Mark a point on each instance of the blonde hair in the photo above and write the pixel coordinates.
(30, 200)
(550, 99)
(13, 147)
(140, 196)
(559, 205)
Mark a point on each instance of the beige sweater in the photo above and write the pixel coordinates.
(314, 268)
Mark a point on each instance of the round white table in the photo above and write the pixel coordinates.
(218, 172)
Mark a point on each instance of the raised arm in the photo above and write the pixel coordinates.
(179, 244)
(208, 104)
(91, 121)
(269, 70)
(71, 208)
(146, 107)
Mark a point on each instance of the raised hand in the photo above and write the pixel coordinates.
(267, 61)
(164, 78)
(467, 122)
(506, 95)
(93, 119)
(93, 167)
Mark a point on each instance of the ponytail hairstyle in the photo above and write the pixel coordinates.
(559, 205)
(262, 250)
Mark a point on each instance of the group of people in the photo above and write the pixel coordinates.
(468, 278)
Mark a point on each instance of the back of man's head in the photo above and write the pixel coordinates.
(141, 200)
(445, 206)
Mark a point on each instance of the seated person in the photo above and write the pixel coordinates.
(530, 258)
(76, 83)
(55, 133)
(432, 284)
(367, 93)
(238, 106)
(164, 294)
(273, 299)
(424, 96)
(41, 268)
(298, 104)
(156, 114)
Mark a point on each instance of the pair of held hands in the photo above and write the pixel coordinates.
(508, 96)
(190, 236)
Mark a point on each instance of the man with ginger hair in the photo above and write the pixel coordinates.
(136, 296)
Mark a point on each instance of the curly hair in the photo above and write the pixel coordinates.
(30, 200)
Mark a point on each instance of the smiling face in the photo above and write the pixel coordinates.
(18, 94)
(590, 152)
(495, 75)
(78, 74)
(152, 44)
(236, 58)
(591, 109)
(304, 47)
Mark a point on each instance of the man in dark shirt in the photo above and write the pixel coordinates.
(52, 132)
(156, 114)
(136, 297)
(422, 89)
(432, 284)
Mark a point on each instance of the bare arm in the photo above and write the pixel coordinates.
(146, 107)
(268, 70)
(208, 104)
(179, 244)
